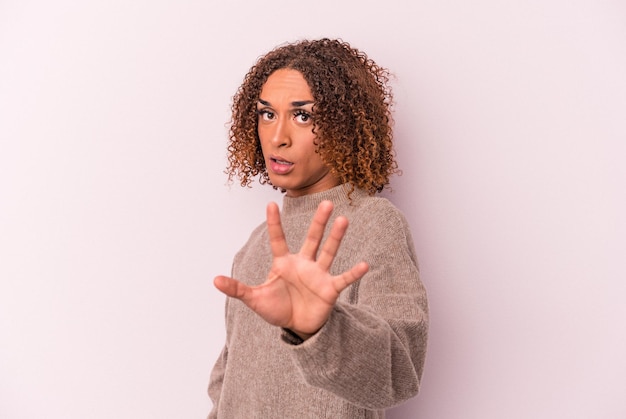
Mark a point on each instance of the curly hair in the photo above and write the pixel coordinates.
(351, 113)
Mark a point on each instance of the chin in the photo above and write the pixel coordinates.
(278, 184)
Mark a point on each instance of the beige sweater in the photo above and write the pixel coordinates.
(370, 354)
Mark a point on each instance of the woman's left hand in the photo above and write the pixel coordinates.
(300, 292)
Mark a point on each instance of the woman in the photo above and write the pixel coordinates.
(323, 320)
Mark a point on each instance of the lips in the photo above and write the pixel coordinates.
(279, 165)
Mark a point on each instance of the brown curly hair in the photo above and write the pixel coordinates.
(352, 113)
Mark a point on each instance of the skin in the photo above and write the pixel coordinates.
(299, 293)
(285, 129)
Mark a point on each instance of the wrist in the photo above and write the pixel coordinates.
(295, 337)
(291, 337)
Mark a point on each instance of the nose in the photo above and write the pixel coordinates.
(281, 134)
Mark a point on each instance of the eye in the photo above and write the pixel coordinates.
(265, 114)
(302, 116)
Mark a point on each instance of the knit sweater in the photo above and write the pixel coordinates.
(368, 356)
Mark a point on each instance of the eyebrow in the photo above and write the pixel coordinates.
(295, 104)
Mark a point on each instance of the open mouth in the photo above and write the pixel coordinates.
(278, 161)
(280, 166)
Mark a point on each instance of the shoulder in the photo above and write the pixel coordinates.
(379, 230)
(376, 217)
(258, 237)
(378, 209)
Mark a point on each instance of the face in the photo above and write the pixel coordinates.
(285, 128)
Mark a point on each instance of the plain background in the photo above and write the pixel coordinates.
(115, 214)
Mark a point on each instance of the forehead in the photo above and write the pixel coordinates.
(286, 83)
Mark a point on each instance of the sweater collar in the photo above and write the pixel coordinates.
(337, 195)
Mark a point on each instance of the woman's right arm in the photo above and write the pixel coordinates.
(216, 380)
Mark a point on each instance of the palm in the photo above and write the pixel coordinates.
(299, 292)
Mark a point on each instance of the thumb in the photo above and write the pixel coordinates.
(231, 287)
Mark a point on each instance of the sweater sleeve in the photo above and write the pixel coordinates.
(371, 351)
(215, 382)
(216, 379)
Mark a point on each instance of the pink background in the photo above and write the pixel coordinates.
(114, 214)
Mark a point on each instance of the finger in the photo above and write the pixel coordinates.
(343, 281)
(316, 230)
(331, 246)
(231, 287)
(278, 243)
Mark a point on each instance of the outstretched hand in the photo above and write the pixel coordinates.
(299, 292)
